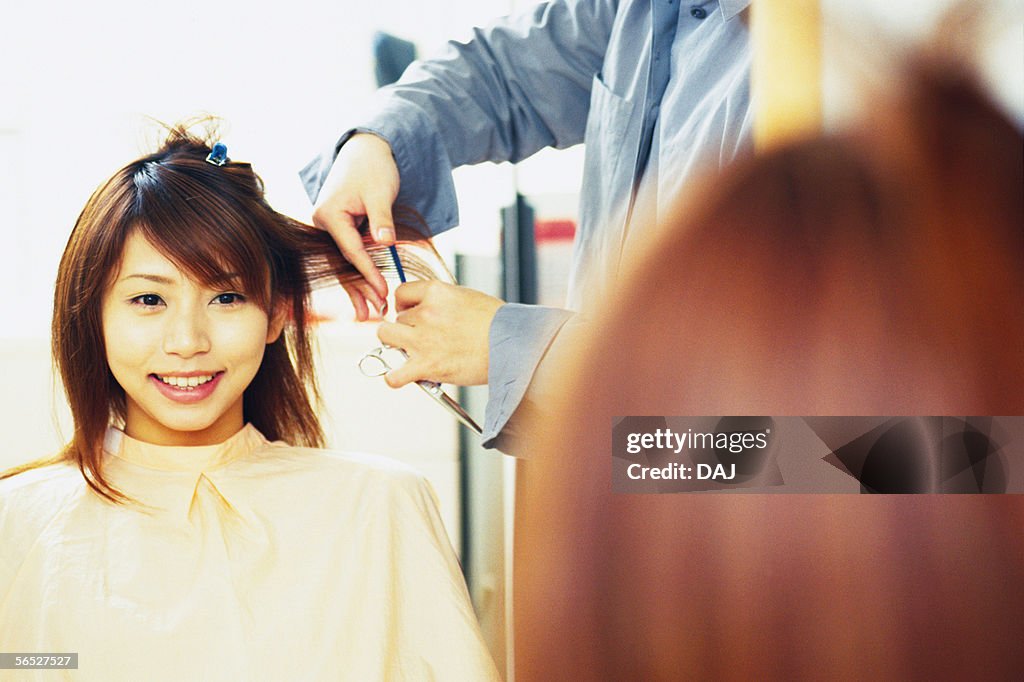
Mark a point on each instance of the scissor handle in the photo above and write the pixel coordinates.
(431, 388)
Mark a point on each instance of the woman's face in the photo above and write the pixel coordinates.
(183, 353)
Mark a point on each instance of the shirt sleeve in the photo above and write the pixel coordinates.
(515, 87)
(519, 338)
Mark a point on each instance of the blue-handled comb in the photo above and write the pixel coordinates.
(398, 263)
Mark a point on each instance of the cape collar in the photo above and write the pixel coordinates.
(193, 459)
(176, 480)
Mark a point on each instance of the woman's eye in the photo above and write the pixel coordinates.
(148, 300)
(229, 299)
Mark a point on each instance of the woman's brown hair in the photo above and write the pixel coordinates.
(209, 220)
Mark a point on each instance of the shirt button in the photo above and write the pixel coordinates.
(698, 13)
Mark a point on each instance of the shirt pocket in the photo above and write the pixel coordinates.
(608, 124)
(608, 160)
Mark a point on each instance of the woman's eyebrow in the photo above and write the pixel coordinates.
(228, 278)
(159, 279)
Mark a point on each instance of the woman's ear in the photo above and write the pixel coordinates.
(278, 316)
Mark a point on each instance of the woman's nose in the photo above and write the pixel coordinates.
(186, 334)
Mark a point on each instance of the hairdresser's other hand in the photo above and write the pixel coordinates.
(362, 182)
(445, 329)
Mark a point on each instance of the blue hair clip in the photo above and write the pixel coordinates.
(219, 155)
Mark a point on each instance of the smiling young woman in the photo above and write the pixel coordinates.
(184, 532)
(204, 224)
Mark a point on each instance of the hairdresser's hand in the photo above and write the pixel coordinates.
(363, 182)
(444, 328)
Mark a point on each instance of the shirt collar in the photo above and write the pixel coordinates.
(731, 8)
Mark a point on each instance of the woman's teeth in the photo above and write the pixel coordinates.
(186, 382)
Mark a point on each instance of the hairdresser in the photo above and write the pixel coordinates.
(657, 90)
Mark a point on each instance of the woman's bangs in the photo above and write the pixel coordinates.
(207, 239)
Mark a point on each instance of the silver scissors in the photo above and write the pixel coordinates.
(374, 364)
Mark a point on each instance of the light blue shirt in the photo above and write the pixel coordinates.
(656, 89)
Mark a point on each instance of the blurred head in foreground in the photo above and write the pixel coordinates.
(879, 272)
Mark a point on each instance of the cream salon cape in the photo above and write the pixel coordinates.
(251, 560)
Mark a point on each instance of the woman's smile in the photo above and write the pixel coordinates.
(187, 388)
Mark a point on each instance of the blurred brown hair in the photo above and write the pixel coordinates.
(209, 220)
(879, 272)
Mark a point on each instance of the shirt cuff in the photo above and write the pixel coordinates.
(519, 337)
